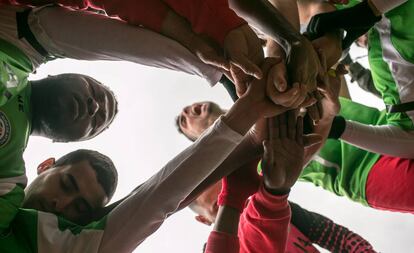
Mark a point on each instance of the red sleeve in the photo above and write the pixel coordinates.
(219, 242)
(210, 17)
(264, 224)
(149, 13)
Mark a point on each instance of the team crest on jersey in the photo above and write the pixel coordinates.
(5, 130)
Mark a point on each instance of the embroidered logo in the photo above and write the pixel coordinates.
(5, 130)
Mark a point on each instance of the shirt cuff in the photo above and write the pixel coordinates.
(224, 130)
(269, 205)
(222, 242)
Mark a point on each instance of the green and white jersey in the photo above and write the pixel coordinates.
(342, 168)
(15, 127)
(15, 68)
(33, 231)
(391, 57)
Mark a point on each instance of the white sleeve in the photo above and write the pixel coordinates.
(87, 36)
(384, 6)
(384, 139)
(143, 212)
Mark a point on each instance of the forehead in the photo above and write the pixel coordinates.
(89, 187)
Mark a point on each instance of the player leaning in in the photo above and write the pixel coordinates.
(391, 60)
(228, 31)
(143, 212)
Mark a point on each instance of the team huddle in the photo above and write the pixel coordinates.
(282, 63)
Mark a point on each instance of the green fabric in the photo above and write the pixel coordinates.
(347, 169)
(402, 38)
(350, 4)
(15, 126)
(23, 233)
(15, 117)
(15, 67)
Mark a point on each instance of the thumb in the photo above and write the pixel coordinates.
(310, 140)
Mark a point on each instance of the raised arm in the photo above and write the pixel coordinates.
(326, 233)
(145, 210)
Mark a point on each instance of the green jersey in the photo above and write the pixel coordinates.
(342, 168)
(33, 231)
(15, 127)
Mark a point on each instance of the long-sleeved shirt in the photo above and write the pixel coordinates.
(136, 218)
(213, 17)
(96, 37)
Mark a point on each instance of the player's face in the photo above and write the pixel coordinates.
(206, 203)
(196, 118)
(77, 108)
(71, 191)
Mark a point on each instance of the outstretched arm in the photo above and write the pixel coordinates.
(326, 233)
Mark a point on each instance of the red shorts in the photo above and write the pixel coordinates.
(390, 185)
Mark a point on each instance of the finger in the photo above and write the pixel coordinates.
(313, 111)
(282, 126)
(311, 140)
(274, 128)
(247, 66)
(291, 124)
(286, 98)
(267, 158)
(241, 88)
(308, 102)
(215, 60)
(277, 77)
(299, 131)
(301, 97)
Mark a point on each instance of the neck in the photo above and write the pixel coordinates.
(37, 104)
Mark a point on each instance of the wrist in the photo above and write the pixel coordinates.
(242, 115)
(338, 126)
(277, 191)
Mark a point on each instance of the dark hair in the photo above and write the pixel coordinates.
(177, 124)
(106, 172)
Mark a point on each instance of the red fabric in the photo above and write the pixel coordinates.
(264, 224)
(213, 18)
(263, 227)
(210, 17)
(390, 185)
(239, 186)
(222, 242)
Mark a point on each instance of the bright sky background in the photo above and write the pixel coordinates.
(143, 138)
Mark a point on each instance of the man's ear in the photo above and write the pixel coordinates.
(202, 219)
(47, 164)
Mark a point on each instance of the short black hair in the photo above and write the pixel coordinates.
(106, 172)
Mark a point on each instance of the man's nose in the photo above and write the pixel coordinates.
(62, 203)
(186, 110)
(93, 107)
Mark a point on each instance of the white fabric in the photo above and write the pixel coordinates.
(385, 139)
(402, 71)
(142, 213)
(384, 6)
(51, 239)
(8, 32)
(8, 184)
(89, 36)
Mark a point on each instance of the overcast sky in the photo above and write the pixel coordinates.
(143, 138)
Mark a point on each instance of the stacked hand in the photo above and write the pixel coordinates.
(244, 51)
(284, 152)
